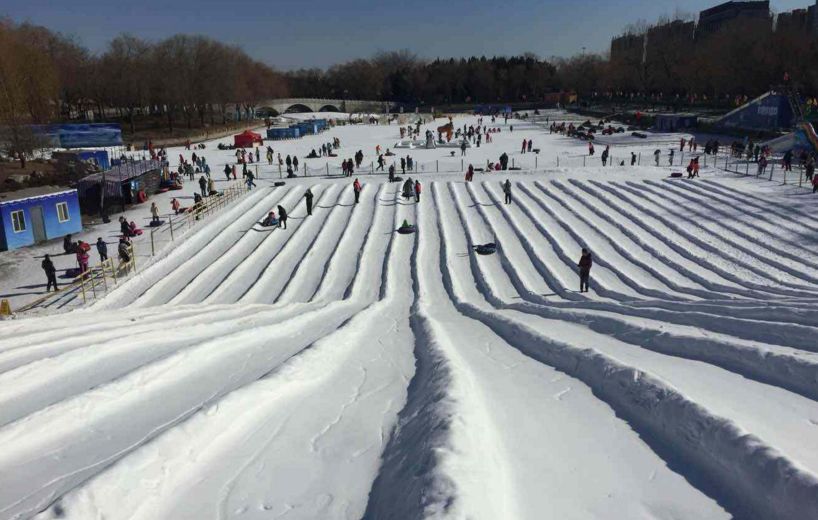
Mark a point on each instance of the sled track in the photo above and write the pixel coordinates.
(338, 369)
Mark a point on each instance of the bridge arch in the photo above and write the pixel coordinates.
(267, 111)
(329, 108)
(297, 109)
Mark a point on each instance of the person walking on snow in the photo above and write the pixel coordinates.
(585, 264)
(656, 155)
(605, 154)
(227, 171)
(282, 217)
(470, 173)
(102, 249)
(380, 163)
(154, 214)
(203, 186)
(507, 191)
(295, 163)
(590, 148)
(633, 159)
(524, 146)
(249, 180)
(308, 198)
(530, 145)
(417, 191)
(356, 187)
(463, 147)
(50, 273)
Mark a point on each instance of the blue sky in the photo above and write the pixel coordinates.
(297, 33)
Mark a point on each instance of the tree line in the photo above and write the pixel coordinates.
(193, 81)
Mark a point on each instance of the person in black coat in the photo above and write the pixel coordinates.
(50, 273)
(585, 263)
(102, 249)
(308, 197)
(282, 217)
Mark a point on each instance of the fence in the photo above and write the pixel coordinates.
(101, 278)
(774, 170)
(90, 283)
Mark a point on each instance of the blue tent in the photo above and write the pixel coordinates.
(278, 134)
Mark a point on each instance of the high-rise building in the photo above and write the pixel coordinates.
(795, 20)
(713, 19)
(628, 47)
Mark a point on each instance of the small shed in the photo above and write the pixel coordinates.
(34, 215)
(247, 139)
(673, 122)
(122, 184)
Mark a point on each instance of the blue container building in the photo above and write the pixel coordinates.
(35, 215)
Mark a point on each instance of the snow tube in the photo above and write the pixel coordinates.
(273, 224)
(676, 175)
(156, 223)
(407, 230)
(486, 249)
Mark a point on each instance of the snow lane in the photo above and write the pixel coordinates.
(102, 425)
(788, 264)
(301, 286)
(714, 246)
(606, 253)
(521, 403)
(750, 224)
(275, 276)
(211, 270)
(711, 258)
(174, 287)
(556, 274)
(253, 262)
(607, 282)
(251, 443)
(653, 241)
(176, 258)
(627, 248)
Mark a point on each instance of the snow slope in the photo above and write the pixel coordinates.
(338, 369)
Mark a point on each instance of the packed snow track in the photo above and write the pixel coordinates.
(338, 369)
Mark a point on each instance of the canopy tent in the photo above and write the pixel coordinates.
(247, 139)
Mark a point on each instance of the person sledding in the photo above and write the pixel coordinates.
(270, 220)
(406, 228)
(485, 249)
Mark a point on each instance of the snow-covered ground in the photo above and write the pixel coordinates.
(338, 369)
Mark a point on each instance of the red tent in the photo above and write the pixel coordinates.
(247, 139)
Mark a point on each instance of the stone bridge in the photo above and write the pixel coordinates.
(276, 107)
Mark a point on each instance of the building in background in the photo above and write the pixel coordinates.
(716, 18)
(35, 215)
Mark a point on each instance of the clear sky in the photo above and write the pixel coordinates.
(317, 33)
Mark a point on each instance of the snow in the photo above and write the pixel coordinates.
(338, 369)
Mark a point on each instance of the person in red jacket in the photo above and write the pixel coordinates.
(417, 191)
(356, 187)
(470, 173)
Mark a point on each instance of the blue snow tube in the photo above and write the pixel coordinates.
(486, 249)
